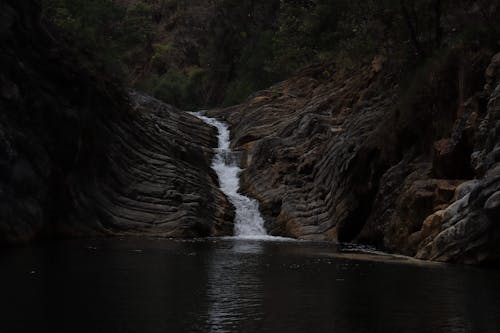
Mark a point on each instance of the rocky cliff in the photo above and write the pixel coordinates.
(408, 164)
(405, 161)
(78, 156)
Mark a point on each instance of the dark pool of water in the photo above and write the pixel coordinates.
(235, 286)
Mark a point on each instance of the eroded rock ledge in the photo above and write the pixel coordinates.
(353, 156)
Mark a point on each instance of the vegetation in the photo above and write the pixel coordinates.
(201, 53)
(109, 32)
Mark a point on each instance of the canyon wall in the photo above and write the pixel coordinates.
(406, 161)
(408, 164)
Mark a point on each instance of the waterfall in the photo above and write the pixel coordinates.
(248, 221)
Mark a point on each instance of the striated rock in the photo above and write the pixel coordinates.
(302, 137)
(349, 156)
(331, 154)
(159, 180)
(79, 157)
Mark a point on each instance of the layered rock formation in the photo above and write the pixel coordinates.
(79, 157)
(302, 137)
(158, 181)
(332, 154)
(354, 156)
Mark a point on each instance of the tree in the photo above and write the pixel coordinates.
(427, 15)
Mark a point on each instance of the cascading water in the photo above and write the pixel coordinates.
(248, 221)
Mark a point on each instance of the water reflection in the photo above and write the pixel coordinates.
(247, 246)
(234, 289)
(236, 286)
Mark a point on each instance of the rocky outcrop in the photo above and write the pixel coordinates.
(353, 156)
(79, 157)
(308, 161)
(159, 180)
(470, 230)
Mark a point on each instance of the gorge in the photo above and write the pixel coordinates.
(331, 154)
(356, 191)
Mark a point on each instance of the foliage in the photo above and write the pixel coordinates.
(197, 54)
(176, 87)
(110, 32)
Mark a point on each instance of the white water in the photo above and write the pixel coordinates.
(248, 221)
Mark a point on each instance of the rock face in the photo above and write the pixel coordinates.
(470, 230)
(331, 154)
(158, 180)
(302, 137)
(354, 156)
(78, 156)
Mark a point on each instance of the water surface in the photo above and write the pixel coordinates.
(234, 285)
